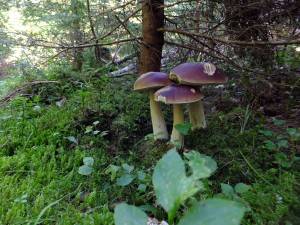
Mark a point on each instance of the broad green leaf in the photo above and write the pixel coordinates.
(183, 128)
(85, 170)
(170, 182)
(294, 133)
(202, 166)
(129, 215)
(142, 187)
(278, 122)
(88, 161)
(241, 188)
(214, 212)
(267, 133)
(141, 175)
(112, 170)
(125, 180)
(283, 143)
(149, 208)
(270, 145)
(72, 139)
(227, 190)
(127, 167)
(88, 129)
(283, 160)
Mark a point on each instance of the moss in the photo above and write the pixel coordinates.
(42, 146)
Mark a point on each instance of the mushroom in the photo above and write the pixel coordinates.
(150, 82)
(177, 95)
(197, 74)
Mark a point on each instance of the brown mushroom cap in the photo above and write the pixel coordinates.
(177, 94)
(151, 80)
(197, 73)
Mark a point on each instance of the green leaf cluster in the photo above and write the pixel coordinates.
(173, 187)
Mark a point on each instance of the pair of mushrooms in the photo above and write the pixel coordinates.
(180, 87)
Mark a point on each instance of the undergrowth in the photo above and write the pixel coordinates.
(46, 134)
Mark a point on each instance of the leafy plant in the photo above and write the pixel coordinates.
(173, 187)
(183, 128)
(234, 193)
(281, 142)
(87, 167)
(126, 174)
(294, 134)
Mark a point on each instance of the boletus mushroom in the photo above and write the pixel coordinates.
(197, 74)
(150, 82)
(177, 95)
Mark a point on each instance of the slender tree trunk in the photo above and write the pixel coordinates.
(153, 40)
(76, 34)
(98, 52)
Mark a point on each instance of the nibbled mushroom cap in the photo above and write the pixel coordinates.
(177, 94)
(151, 80)
(197, 74)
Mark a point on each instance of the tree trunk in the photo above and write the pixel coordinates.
(153, 40)
(76, 34)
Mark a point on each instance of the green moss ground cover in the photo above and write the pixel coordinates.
(44, 138)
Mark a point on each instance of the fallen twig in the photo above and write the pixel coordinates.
(17, 91)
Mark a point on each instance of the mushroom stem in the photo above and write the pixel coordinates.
(176, 136)
(197, 116)
(158, 122)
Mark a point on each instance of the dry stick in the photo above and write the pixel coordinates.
(128, 31)
(53, 56)
(115, 8)
(116, 27)
(224, 41)
(79, 46)
(11, 95)
(175, 3)
(213, 50)
(224, 58)
(88, 45)
(66, 48)
(206, 52)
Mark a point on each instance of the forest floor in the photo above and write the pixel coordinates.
(46, 133)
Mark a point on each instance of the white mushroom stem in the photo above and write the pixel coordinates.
(158, 122)
(197, 116)
(178, 116)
